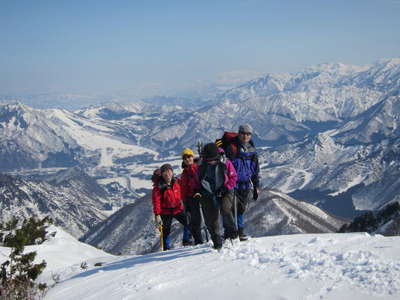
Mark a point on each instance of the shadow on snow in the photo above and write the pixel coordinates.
(148, 258)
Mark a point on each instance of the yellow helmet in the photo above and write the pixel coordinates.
(187, 151)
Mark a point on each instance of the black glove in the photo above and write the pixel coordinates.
(222, 191)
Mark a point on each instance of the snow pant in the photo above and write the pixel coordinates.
(167, 221)
(243, 198)
(193, 207)
(211, 218)
(227, 212)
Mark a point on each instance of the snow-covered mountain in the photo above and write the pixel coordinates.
(329, 133)
(71, 198)
(131, 229)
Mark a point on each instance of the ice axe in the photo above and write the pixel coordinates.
(160, 228)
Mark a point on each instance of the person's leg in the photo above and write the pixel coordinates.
(187, 236)
(243, 198)
(195, 220)
(211, 218)
(230, 230)
(167, 220)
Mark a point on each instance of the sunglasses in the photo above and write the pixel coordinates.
(186, 156)
(245, 133)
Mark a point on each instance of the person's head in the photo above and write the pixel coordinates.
(210, 153)
(167, 173)
(245, 132)
(187, 156)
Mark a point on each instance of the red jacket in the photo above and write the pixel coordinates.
(190, 181)
(170, 202)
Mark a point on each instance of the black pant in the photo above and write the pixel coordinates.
(193, 207)
(211, 218)
(227, 212)
(242, 199)
(167, 220)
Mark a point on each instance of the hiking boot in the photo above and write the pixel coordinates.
(217, 241)
(187, 242)
(242, 236)
(217, 246)
(230, 235)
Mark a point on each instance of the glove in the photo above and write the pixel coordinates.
(157, 220)
(197, 196)
(255, 194)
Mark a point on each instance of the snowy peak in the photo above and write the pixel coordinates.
(380, 122)
(327, 92)
(15, 117)
(278, 213)
(384, 76)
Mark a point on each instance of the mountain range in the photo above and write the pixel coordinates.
(328, 135)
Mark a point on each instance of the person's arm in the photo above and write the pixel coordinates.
(255, 179)
(156, 199)
(232, 175)
(184, 184)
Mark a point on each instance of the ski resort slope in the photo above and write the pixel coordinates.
(309, 266)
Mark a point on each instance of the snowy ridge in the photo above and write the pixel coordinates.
(312, 266)
(63, 255)
(312, 217)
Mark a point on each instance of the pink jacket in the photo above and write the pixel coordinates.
(230, 175)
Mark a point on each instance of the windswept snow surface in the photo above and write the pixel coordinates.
(63, 254)
(313, 266)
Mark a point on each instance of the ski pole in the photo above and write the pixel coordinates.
(235, 209)
(204, 227)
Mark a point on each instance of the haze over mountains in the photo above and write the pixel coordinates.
(328, 135)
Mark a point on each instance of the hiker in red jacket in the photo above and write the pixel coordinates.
(167, 202)
(189, 185)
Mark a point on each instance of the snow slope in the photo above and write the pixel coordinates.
(62, 253)
(307, 266)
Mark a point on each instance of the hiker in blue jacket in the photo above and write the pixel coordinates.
(242, 152)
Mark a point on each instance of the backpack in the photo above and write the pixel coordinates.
(228, 139)
(220, 184)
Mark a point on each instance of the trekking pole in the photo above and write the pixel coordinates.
(199, 147)
(235, 209)
(204, 227)
(160, 228)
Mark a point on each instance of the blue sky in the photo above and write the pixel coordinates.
(150, 47)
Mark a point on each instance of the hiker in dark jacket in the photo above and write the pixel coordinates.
(215, 180)
(189, 184)
(167, 202)
(243, 155)
(227, 198)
